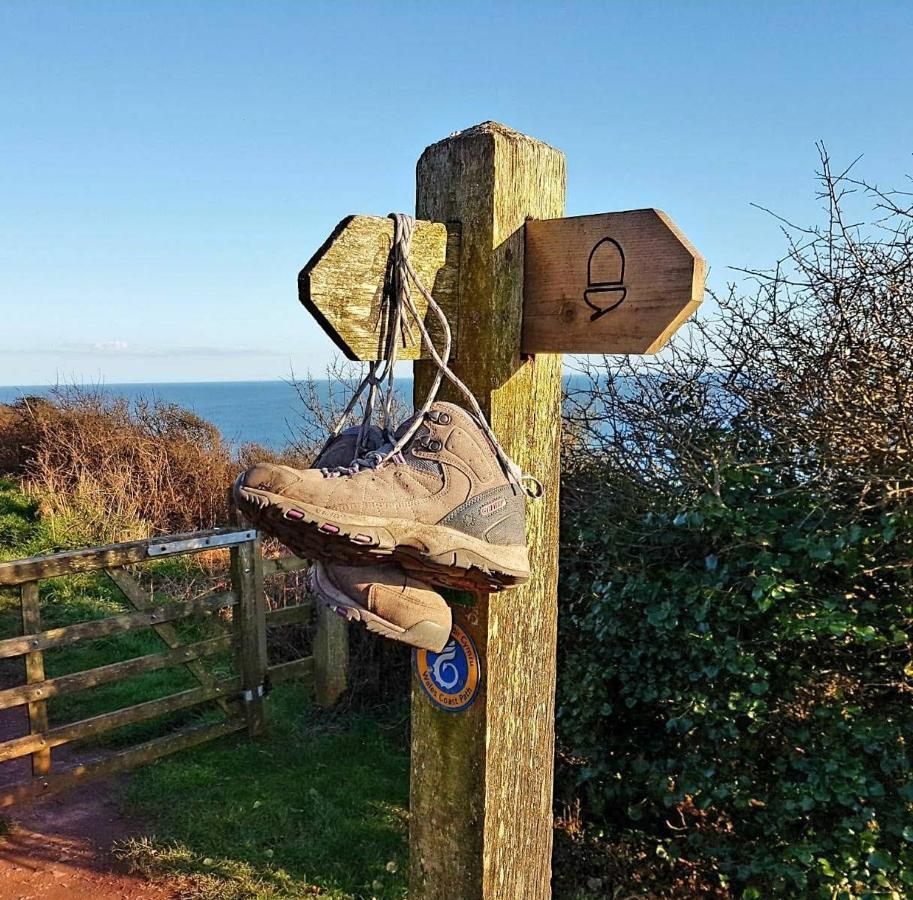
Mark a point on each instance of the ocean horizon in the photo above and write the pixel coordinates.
(259, 412)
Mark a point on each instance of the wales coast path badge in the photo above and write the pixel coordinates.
(451, 678)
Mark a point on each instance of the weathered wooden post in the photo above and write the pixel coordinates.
(481, 789)
(250, 628)
(331, 656)
(520, 286)
(34, 673)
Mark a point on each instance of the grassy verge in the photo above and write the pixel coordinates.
(80, 598)
(315, 807)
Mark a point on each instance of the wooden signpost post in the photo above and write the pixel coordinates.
(520, 286)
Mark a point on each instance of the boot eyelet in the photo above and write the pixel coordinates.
(435, 446)
(444, 418)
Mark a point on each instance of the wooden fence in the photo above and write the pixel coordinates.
(239, 697)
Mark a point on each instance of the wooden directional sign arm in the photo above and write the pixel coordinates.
(343, 283)
(609, 283)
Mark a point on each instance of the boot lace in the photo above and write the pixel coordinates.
(396, 301)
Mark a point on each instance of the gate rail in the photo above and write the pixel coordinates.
(240, 697)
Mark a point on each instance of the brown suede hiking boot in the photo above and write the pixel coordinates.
(338, 451)
(386, 600)
(444, 509)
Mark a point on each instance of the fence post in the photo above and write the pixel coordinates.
(34, 672)
(521, 285)
(331, 656)
(481, 786)
(250, 628)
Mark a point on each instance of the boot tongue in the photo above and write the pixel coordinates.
(403, 427)
(438, 406)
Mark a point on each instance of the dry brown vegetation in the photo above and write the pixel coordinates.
(105, 469)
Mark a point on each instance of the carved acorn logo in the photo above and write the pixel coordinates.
(605, 272)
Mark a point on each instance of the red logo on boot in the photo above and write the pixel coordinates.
(492, 507)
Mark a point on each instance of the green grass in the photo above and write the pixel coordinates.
(315, 806)
(21, 532)
(316, 803)
(80, 598)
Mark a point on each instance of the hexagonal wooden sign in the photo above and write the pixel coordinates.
(343, 283)
(609, 283)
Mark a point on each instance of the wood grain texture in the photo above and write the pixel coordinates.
(250, 629)
(90, 560)
(122, 761)
(647, 266)
(481, 789)
(142, 602)
(295, 669)
(119, 671)
(96, 628)
(283, 565)
(100, 724)
(331, 656)
(34, 673)
(299, 614)
(343, 283)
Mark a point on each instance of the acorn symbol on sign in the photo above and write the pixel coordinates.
(605, 271)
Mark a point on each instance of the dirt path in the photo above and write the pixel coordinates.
(59, 847)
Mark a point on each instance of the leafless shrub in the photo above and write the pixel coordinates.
(321, 409)
(817, 364)
(736, 566)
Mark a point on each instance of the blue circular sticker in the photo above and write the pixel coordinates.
(452, 677)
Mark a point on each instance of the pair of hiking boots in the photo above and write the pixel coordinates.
(440, 512)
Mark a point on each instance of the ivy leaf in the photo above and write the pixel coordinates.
(880, 860)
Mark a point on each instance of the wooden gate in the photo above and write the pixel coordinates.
(235, 700)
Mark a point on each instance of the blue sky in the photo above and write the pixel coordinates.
(166, 168)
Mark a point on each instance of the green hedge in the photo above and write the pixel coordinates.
(736, 681)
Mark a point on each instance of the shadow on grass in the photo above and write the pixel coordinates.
(316, 805)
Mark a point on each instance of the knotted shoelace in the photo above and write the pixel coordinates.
(396, 300)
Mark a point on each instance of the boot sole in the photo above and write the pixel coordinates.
(424, 635)
(435, 553)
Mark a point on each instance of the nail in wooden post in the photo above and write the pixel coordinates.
(331, 656)
(250, 627)
(481, 790)
(34, 672)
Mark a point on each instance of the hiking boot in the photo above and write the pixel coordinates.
(444, 508)
(340, 450)
(386, 600)
(337, 451)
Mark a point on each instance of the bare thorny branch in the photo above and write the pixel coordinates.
(811, 372)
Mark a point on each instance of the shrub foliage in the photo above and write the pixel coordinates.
(104, 468)
(736, 574)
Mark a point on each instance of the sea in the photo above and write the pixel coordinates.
(269, 413)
